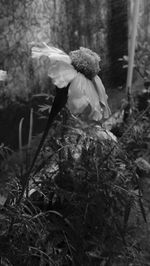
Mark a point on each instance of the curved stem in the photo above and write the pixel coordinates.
(59, 102)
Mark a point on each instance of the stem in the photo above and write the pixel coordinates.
(59, 102)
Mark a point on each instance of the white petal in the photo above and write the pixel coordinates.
(77, 101)
(61, 73)
(59, 65)
(53, 53)
(82, 94)
(96, 111)
(102, 95)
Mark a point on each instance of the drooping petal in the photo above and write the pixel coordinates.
(53, 53)
(77, 100)
(102, 95)
(61, 74)
(96, 110)
(82, 94)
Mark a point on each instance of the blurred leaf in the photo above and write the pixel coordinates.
(45, 107)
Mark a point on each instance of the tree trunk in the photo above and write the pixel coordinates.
(117, 40)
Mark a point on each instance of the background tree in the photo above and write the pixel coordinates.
(117, 40)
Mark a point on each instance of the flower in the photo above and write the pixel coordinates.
(79, 70)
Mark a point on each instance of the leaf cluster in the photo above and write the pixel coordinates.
(78, 206)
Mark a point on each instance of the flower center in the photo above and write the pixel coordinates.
(86, 62)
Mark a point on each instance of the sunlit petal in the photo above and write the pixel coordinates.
(53, 53)
(61, 73)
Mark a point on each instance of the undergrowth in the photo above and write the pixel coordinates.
(82, 204)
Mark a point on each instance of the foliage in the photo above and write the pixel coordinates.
(142, 60)
(4, 151)
(81, 203)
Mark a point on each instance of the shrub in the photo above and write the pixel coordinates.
(79, 206)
